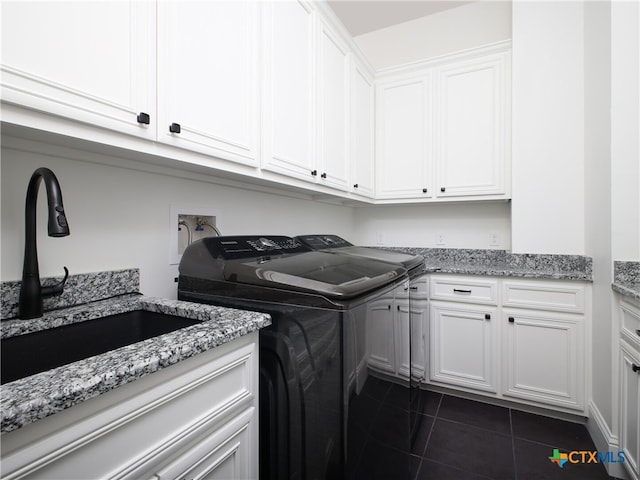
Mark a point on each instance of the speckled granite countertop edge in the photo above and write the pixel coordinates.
(626, 279)
(29, 399)
(507, 272)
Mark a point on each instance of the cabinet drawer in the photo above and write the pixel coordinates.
(554, 296)
(630, 322)
(464, 289)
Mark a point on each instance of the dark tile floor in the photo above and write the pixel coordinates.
(463, 439)
(459, 439)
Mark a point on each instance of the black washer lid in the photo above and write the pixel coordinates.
(336, 244)
(283, 263)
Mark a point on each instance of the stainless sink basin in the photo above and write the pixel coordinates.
(36, 352)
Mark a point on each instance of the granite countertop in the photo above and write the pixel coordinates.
(503, 264)
(29, 399)
(626, 279)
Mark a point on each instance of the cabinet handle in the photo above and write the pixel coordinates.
(314, 172)
(144, 118)
(398, 307)
(324, 175)
(638, 332)
(487, 316)
(413, 288)
(442, 189)
(424, 190)
(174, 128)
(459, 290)
(512, 320)
(635, 368)
(388, 307)
(355, 185)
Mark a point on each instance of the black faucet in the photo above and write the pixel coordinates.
(31, 291)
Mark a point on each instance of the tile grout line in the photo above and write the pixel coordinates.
(513, 447)
(426, 444)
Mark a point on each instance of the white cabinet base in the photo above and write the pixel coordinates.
(544, 358)
(162, 422)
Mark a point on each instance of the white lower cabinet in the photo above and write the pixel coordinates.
(380, 335)
(514, 339)
(629, 391)
(392, 323)
(464, 346)
(195, 419)
(544, 357)
(630, 408)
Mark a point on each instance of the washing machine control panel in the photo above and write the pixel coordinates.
(323, 241)
(250, 246)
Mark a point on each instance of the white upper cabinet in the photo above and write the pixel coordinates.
(333, 109)
(93, 62)
(362, 131)
(443, 128)
(208, 77)
(470, 128)
(403, 156)
(288, 104)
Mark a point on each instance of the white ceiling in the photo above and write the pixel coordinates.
(363, 16)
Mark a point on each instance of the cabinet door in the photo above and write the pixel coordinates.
(93, 62)
(208, 77)
(362, 121)
(463, 346)
(402, 139)
(333, 96)
(229, 453)
(288, 124)
(414, 314)
(544, 357)
(630, 408)
(380, 335)
(471, 127)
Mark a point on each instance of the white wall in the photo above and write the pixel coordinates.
(548, 128)
(461, 225)
(467, 26)
(597, 74)
(119, 217)
(625, 129)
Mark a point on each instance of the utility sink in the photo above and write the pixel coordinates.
(32, 353)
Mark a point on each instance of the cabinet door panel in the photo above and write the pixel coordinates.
(380, 335)
(470, 128)
(89, 61)
(544, 358)
(463, 346)
(333, 95)
(207, 63)
(362, 132)
(402, 140)
(288, 99)
(226, 454)
(630, 408)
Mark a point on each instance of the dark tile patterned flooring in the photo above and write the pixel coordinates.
(461, 439)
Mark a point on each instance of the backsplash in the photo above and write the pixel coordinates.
(80, 288)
